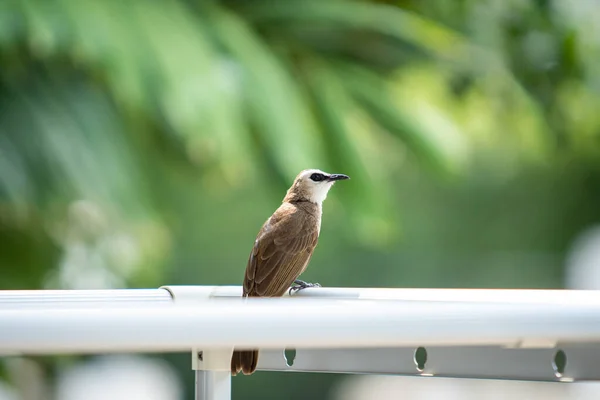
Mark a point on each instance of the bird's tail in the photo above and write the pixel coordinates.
(244, 361)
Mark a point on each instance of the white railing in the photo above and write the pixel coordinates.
(528, 334)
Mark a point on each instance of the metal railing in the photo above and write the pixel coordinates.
(545, 335)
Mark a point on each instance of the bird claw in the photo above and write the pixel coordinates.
(299, 285)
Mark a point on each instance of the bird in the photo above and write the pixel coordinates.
(284, 246)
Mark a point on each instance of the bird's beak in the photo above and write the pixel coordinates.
(337, 177)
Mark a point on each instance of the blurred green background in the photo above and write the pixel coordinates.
(144, 143)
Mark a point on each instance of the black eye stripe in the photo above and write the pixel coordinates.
(316, 177)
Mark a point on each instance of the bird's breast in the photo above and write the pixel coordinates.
(318, 218)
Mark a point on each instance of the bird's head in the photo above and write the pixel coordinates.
(312, 185)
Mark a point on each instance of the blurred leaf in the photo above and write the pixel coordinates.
(353, 140)
(283, 121)
(373, 94)
(388, 20)
(79, 153)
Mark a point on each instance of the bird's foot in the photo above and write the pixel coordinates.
(299, 285)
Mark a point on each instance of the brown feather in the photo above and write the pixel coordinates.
(281, 252)
(284, 246)
(244, 361)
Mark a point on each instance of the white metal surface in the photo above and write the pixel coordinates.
(38, 298)
(530, 296)
(308, 323)
(213, 376)
(476, 333)
(198, 293)
(487, 362)
(213, 385)
(512, 296)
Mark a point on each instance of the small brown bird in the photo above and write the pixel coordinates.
(284, 246)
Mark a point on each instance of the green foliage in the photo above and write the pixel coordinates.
(248, 89)
(89, 90)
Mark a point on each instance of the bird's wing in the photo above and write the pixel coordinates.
(281, 251)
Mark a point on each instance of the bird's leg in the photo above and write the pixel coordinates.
(299, 285)
(304, 285)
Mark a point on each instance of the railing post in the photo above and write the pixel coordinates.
(213, 375)
(212, 366)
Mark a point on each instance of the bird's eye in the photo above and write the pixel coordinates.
(317, 177)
